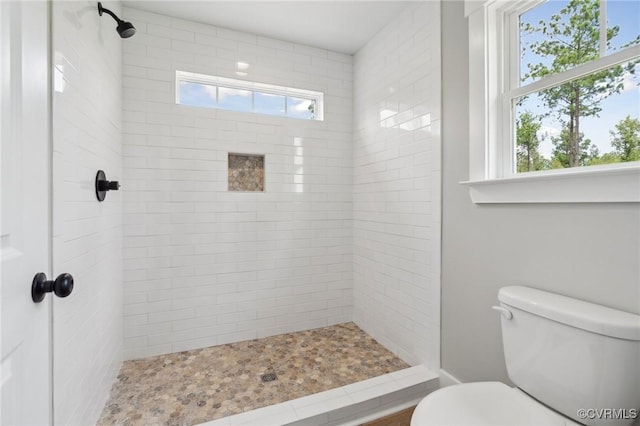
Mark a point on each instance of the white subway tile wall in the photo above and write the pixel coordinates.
(202, 265)
(396, 185)
(87, 235)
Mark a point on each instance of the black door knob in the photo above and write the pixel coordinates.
(61, 287)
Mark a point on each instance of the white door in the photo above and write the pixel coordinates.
(25, 392)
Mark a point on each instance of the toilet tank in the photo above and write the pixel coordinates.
(573, 355)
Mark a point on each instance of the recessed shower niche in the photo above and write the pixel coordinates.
(246, 172)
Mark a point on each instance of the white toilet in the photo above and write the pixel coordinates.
(570, 360)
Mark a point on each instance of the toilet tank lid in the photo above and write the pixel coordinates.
(576, 313)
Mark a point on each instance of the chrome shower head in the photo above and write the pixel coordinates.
(125, 29)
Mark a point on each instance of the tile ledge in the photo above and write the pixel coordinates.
(285, 412)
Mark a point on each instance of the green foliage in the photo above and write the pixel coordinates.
(528, 143)
(571, 38)
(606, 158)
(626, 139)
(312, 109)
(562, 150)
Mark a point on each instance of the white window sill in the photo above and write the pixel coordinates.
(618, 183)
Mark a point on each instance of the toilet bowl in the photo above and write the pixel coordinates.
(569, 359)
(484, 404)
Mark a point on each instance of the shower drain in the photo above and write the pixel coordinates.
(269, 377)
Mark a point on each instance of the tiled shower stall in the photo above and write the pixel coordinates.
(204, 265)
(346, 228)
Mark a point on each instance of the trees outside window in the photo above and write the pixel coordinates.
(553, 44)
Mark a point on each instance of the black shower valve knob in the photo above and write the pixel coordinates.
(103, 185)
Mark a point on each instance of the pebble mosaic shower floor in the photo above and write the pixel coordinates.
(192, 387)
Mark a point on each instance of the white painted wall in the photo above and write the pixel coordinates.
(586, 251)
(397, 185)
(87, 235)
(204, 266)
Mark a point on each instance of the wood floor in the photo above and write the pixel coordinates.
(401, 418)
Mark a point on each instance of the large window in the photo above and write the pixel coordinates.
(239, 95)
(555, 90)
(573, 99)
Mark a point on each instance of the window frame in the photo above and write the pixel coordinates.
(253, 87)
(493, 84)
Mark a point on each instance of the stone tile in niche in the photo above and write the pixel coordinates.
(192, 387)
(246, 172)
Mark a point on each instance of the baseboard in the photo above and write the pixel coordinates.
(447, 379)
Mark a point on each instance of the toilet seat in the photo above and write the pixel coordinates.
(484, 403)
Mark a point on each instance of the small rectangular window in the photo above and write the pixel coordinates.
(300, 108)
(238, 95)
(235, 99)
(201, 95)
(267, 103)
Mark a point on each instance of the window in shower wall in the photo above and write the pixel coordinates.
(207, 91)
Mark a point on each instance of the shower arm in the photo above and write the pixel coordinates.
(108, 12)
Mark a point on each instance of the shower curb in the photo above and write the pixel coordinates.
(348, 405)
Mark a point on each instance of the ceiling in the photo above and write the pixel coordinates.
(341, 26)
